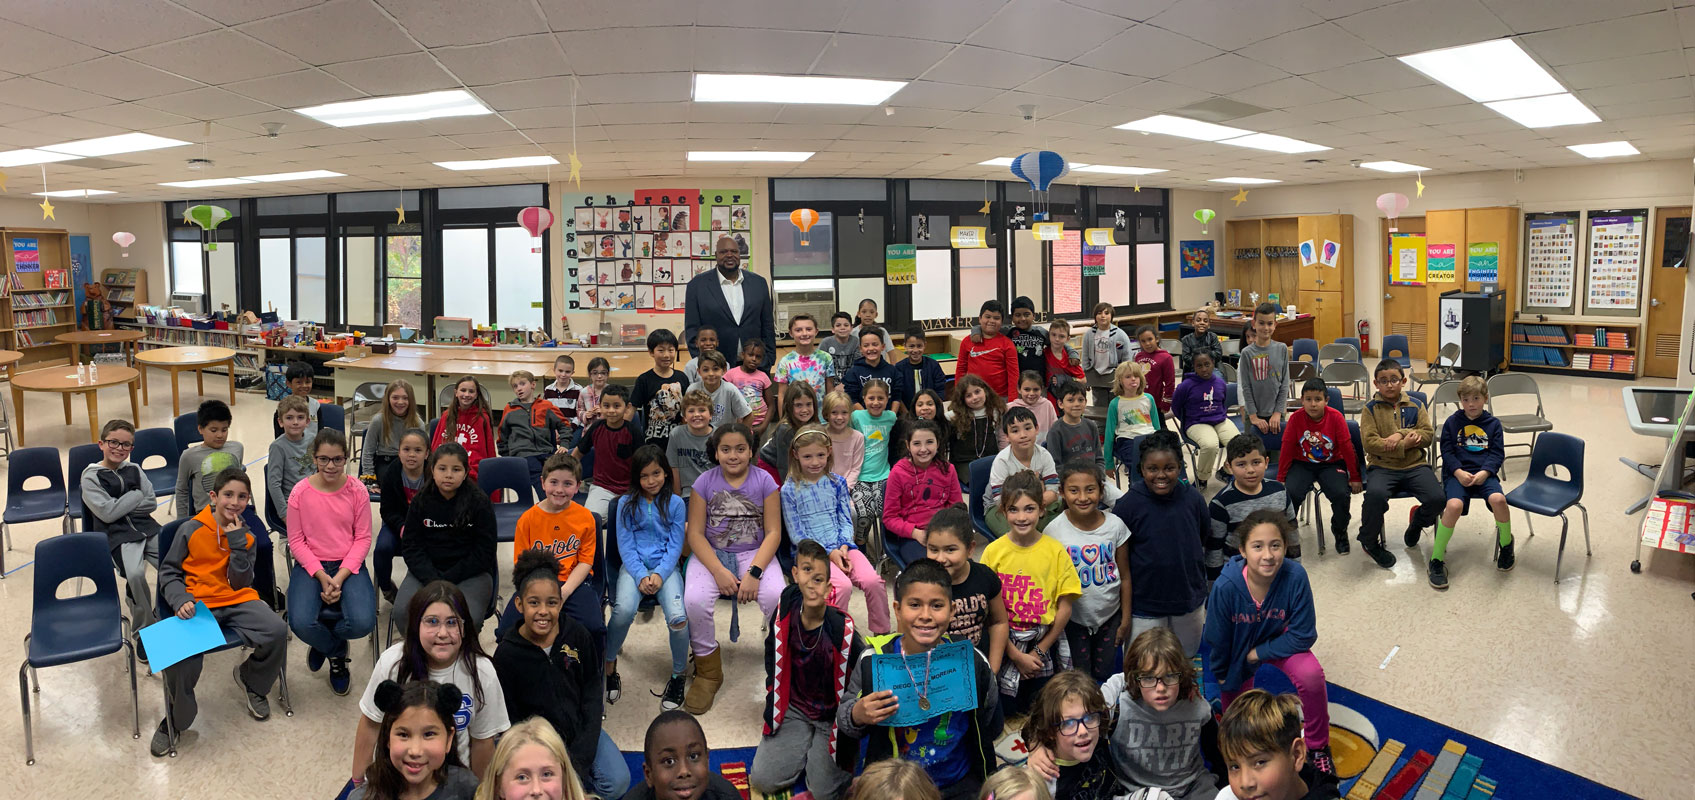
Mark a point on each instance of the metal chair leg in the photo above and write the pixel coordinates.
(134, 690)
(1562, 552)
(29, 725)
(1586, 550)
(282, 694)
(1318, 519)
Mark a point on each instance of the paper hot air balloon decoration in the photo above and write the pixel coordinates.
(1204, 216)
(1040, 169)
(124, 240)
(208, 218)
(1392, 204)
(536, 220)
(804, 219)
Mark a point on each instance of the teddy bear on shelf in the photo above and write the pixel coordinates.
(97, 313)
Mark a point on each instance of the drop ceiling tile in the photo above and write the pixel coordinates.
(437, 24)
(450, 126)
(129, 116)
(220, 57)
(657, 87)
(307, 87)
(25, 51)
(235, 12)
(1157, 95)
(412, 73)
(1498, 124)
(43, 96)
(523, 58)
(1639, 92)
(1226, 73)
(883, 57)
(1643, 33)
(753, 50)
(638, 113)
(67, 127)
(113, 27)
(923, 117)
(328, 33)
(479, 141)
(1525, 16)
(208, 103)
(1413, 27)
(662, 132)
(1046, 29)
(934, 20)
(653, 49)
(1418, 97)
(537, 93)
(1311, 49)
(1230, 25)
(1079, 83)
(1334, 110)
(1103, 115)
(1613, 71)
(928, 94)
(980, 66)
(819, 114)
(119, 77)
(1147, 51)
(818, 15)
(1045, 106)
(1284, 93)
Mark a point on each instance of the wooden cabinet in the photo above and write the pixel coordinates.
(1262, 255)
(38, 312)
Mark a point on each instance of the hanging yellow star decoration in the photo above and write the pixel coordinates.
(3, 184)
(576, 170)
(401, 211)
(1420, 184)
(1241, 196)
(47, 209)
(985, 208)
(186, 219)
(1138, 186)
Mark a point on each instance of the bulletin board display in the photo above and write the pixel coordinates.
(1614, 281)
(1550, 262)
(637, 251)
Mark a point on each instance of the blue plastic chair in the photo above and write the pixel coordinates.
(32, 505)
(331, 415)
(73, 629)
(1305, 349)
(978, 486)
(1544, 494)
(501, 473)
(1395, 346)
(167, 535)
(161, 442)
(187, 430)
(78, 459)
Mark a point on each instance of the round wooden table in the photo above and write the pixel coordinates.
(125, 339)
(63, 379)
(178, 359)
(8, 358)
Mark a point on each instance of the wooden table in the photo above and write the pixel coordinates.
(63, 379)
(125, 339)
(177, 359)
(1288, 330)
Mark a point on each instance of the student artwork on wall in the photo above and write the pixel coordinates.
(637, 251)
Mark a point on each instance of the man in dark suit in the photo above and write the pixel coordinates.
(734, 302)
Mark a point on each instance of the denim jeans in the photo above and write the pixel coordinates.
(628, 598)
(358, 610)
(385, 548)
(610, 775)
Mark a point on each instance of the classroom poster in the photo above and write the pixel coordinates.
(1329, 253)
(1406, 259)
(26, 255)
(1197, 258)
(637, 251)
(1047, 231)
(901, 262)
(1094, 260)
(1551, 262)
(1439, 264)
(1309, 253)
(1483, 262)
(968, 237)
(1615, 261)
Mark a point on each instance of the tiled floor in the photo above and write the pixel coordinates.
(1585, 675)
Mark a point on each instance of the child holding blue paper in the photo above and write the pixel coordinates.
(810, 647)
(956, 749)
(211, 562)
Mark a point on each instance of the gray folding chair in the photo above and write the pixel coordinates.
(1352, 374)
(1299, 373)
(1442, 370)
(1518, 383)
(1172, 346)
(1447, 394)
(1337, 351)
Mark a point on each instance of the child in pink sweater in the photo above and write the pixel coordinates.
(329, 533)
(919, 485)
(1032, 394)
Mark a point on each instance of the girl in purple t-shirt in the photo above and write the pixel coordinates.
(733, 534)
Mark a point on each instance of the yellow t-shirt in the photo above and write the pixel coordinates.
(1033, 578)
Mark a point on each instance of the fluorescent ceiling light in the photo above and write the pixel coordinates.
(112, 145)
(1545, 112)
(1603, 149)
(21, 158)
(203, 182)
(709, 88)
(1392, 166)
(1275, 143)
(500, 163)
(998, 162)
(1486, 71)
(1186, 128)
(293, 176)
(1107, 168)
(402, 108)
(1249, 181)
(748, 155)
(73, 193)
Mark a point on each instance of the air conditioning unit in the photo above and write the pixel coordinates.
(192, 303)
(816, 298)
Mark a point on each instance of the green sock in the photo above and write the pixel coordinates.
(1443, 534)
(1504, 533)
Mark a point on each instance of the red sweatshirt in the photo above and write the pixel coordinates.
(1322, 441)
(995, 361)
(1161, 378)
(470, 428)
(1062, 366)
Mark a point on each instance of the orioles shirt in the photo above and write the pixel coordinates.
(568, 535)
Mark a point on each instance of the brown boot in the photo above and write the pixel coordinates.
(708, 676)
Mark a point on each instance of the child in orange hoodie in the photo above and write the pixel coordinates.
(211, 561)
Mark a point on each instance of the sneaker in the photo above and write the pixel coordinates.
(1384, 558)
(1322, 761)
(314, 659)
(1222, 474)
(1504, 562)
(1201, 484)
(673, 697)
(614, 688)
(340, 676)
(1438, 574)
(257, 705)
(1413, 531)
(140, 650)
(161, 744)
(389, 592)
(1342, 546)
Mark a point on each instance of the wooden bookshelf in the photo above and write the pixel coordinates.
(1605, 350)
(52, 246)
(130, 284)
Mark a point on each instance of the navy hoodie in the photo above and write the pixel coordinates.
(1281, 626)
(885, 373)
(1472, 444)
(1167, 565)
(926, 374)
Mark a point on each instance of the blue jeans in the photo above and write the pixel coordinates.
(384, 550)
(628, 598)
(610, 775)
(358, 607)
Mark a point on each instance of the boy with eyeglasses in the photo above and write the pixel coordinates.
(290, 459)
(1395, 430)
(120, 502)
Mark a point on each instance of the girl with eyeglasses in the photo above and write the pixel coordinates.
(1067, 724)
(329, 533)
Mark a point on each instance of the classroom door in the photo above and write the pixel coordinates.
(1665, 300)
(1405, 308)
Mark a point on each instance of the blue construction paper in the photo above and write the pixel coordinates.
(173, 638)
(953, 682)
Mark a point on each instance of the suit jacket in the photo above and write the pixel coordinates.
(704, 306)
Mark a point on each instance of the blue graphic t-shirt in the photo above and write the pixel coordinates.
(936, 744)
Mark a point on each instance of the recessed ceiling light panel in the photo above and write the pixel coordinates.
(1244, 181)
(1551, 111)
(23, 158)
(805, 89)
(1186, 128)
(1112, 170)
(1275, 143)
(1000, 162)
(749, 155)
(1604, 149)
(205, 182)
(113, 145)
(499, 163)
(402, 108)
(1486, 71)
(1393, 166)
(73, 193)
(293, 176)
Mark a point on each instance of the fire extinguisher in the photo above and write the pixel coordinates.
(1364, 330)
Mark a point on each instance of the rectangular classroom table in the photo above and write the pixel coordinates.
(1288, 330)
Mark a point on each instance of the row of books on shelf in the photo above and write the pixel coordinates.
(1602, 337)
(30, 319)
(1540, 334)
(122, 296)
(26, 340)
(120, 277)
(39, 299)
(190, 336)
(1604, 362)
(7, 281)
(1531, 355)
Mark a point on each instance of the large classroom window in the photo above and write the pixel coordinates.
(488, 272)
(196, 274)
